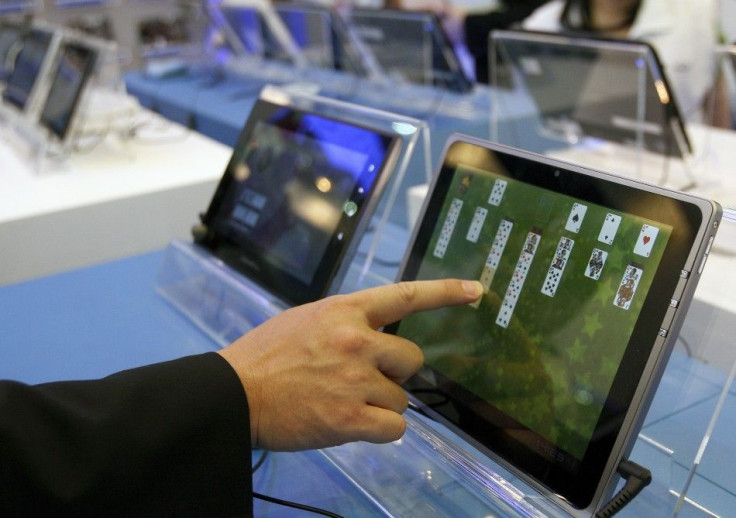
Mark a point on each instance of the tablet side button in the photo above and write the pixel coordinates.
(709, 245)
(702, 263)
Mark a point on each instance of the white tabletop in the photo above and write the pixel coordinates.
(162, 156)
(121, 196)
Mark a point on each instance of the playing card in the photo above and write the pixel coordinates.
(596, 263)
(575, 219)
(551, 282)
(559, 261)
(504, 315)
(499, 243)
(499, 187)
(447, 228)
(627, 288)
(609, 228)
(519, 276)
(647, 236)
(476, 225)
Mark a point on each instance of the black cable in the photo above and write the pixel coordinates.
(637, 478)
(260, 461)
(273, 500)
(295, 505)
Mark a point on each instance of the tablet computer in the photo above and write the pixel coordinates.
(295, 197)
(598, 83)
(31, 63)
(587, 278)
(260, 31)
(413, 46)
(323, 36)
(73, 68)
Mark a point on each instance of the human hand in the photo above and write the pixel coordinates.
(322, 374)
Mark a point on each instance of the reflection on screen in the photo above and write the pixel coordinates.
(298, 176)
(27, 67)
(68, 81)
(9, 39)
(565, 282)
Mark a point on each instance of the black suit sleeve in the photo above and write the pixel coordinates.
(167, 439)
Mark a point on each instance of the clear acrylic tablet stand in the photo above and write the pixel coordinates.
(431, 473)
(225, 304)
(543, 121)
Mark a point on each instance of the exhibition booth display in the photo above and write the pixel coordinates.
(204, 280)
(345, 174)
(61, 88)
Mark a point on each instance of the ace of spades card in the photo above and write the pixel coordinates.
(575, 219)
(609, 228)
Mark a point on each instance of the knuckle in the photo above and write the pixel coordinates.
(394, 429)
(351, 419)
(407, 292)
(348, 339)
(355, 375)
(417, 354)
(402, 403)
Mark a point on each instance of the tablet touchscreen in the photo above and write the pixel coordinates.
(29, 64)
(299, 188)
(76, 63)
(584, 288)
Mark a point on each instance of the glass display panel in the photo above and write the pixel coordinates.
(606, 88)
(412, 46)
(254, 33)
(312, 32)
(323, 37)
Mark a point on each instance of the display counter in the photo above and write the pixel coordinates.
(96, 320)
(119, 195)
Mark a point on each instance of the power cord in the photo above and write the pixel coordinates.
(637, 478)
(260, 461)
(287, 503)
(295, 505)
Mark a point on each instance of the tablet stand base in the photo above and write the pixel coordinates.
(220, 301)
(426, 474)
